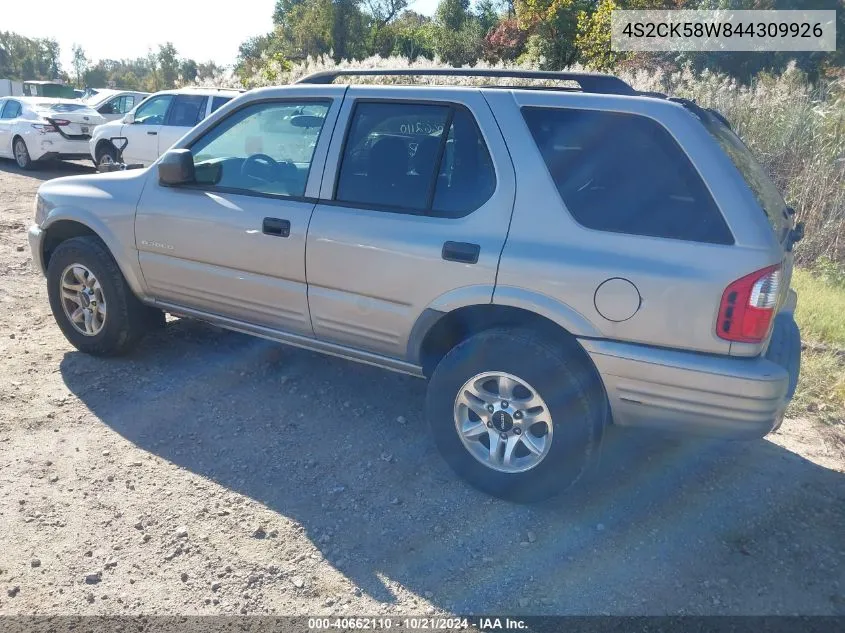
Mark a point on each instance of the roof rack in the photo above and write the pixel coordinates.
(589, 82)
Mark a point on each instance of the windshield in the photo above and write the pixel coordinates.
(767, 194)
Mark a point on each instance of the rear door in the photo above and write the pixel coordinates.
(185, 112)
(143, 133)
(414, 210)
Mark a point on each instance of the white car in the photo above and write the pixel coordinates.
(39, 128)
(114, 104)
(157, 123)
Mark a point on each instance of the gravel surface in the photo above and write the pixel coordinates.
(211, 472)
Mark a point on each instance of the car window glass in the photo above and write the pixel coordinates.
(466, 178)
(11, 110)
(624, 173)
(186, 111)
(391, 154)
(112, 107)
(127, 102)
(217, 102)
(264, 148)
(152, 111)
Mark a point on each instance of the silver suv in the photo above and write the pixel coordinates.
(552, 260)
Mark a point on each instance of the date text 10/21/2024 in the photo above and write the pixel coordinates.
(418, 623)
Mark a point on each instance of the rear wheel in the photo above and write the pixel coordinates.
(517, 415)
(21, 153)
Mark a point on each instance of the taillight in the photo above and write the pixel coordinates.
(60, 122)
(45, 128)
(748, 306)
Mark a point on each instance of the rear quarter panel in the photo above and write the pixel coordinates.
(680, 283)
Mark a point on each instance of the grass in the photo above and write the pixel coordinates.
(821, 316)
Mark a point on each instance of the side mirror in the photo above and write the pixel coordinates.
(129, 117)
(176, 167)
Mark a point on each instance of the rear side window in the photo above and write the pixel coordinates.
(186, 111)
(12, 110)
(419, 158)
(624, 173)
(767, 194)
(217, 102)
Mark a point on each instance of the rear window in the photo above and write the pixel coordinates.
(624, 173)
(63, 107)
(767, 194)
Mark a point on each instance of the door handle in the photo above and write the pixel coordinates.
(151, 133)
(463, 252)
(276, 227)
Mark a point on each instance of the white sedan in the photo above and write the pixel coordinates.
(38, 128)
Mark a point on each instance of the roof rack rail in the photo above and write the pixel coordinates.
(217, 88)
(589, 82)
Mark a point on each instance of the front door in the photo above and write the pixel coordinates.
(142, 133)
(233, 243)
(416, 215)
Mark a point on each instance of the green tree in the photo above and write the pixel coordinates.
(80, 65)
(168, 65)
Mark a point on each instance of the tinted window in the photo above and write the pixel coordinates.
(11, 110)
(415, 157)
(758, 180)
(186, 111)
(152, 111)
(265, 148)
(466, 178)
(217, 102)
(625, 173)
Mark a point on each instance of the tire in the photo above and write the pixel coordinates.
(21, 153)
(560, 373)
(106, 154)
(124, 320)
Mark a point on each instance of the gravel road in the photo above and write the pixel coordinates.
(211, 472)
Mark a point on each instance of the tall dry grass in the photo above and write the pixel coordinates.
(796, 129)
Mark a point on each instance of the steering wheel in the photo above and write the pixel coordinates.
(260, 166)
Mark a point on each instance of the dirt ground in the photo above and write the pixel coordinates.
(211, 472)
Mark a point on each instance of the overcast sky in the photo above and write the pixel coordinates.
(200, 29)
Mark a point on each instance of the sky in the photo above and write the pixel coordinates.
(200, 29)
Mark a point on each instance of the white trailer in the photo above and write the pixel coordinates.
(10, 88)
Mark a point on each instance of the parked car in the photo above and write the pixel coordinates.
(38, 128)
(552, 261)
(114, 104)
(154, 125)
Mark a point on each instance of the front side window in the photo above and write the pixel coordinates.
(419, 158)
(186, 111)
(111, 107)
(153, 111)
(624, 173)
(263, 148)
(12, 110)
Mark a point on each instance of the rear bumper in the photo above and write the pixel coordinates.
(722, 396)
(47, 146)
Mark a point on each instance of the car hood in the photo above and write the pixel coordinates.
(111, 192)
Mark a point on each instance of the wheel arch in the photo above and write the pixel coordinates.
(61, 229)
(436, 332)
(101, 145)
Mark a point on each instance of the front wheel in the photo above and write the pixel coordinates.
(91, 301)
(518, 415)
(106, 156)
